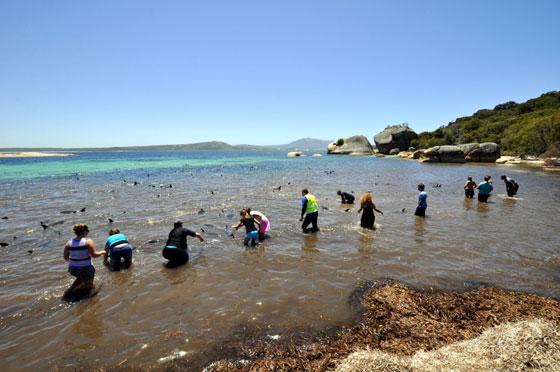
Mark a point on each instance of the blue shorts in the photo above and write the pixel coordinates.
(118, 253)
(252, 235)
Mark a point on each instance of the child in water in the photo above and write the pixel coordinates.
(251, 231)
(469, 187)
(264, 223)
(78, 252)
(422, 201)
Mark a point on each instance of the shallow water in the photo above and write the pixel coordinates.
(291, 281)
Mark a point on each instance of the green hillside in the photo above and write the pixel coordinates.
(532, 127)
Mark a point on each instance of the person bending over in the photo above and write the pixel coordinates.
(251, 231)
(176, 249)
(346, 198)
(310, 210)
(117, 250)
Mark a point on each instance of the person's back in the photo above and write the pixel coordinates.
(176, 249)
(310, 210)
(511, 186)
(469, 187)
(422, 201)
(484, 190)
(346, 198)
(118, 249)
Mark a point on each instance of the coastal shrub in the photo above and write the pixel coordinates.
(530, 127)
(340, 142)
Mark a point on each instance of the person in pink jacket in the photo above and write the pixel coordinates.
(264, 224)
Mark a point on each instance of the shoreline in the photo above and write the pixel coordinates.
(397, 324)
(32, 154)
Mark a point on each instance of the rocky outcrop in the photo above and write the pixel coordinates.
(487, 152)
(394, 137)
(294, 154)
(443, 154)
(355, 145)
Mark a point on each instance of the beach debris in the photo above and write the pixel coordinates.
(175, 355)
(201, 211)
(2, 244)
(4, 218)
(110, 220)
(277, 188)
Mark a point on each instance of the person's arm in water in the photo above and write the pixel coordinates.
(199, 237)
(66, 251)
(303, 208)
(106, 257)
(92, 250)
(375, 208)
(361, 208)
(237, 226)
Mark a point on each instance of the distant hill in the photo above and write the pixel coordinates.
(531, 127)
(304, 144)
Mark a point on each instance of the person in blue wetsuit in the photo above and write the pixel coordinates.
(118, 250)
(484, 189)
(422, 201)
(176, 249)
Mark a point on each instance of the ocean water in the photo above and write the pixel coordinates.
(148, 313)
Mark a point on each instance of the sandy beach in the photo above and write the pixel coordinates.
(33, 154)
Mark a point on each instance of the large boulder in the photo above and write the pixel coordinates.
(355, 145)
(396, 136)
(487, 152)
(443, 154)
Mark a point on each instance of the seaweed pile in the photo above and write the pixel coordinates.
(396, 321)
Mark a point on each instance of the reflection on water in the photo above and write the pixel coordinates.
(292, 280)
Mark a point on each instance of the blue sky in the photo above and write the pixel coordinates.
(105, 73)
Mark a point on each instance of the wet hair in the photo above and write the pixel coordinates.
(486, 178)
(421, 187)
(469, 178)
(366, 198)
(504, 177)
(114, 231)
(80, 229)
(178, 224)
(305, 191)
(338, 192)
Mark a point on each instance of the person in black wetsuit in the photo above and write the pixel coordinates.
(347, 198)
(176, 250)
(511, 186)
(367, 206)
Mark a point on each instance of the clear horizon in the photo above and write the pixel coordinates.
(137, 73)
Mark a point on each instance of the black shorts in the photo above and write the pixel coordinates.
(176, 255)
(483, 198)
(85, 274)
(420, 212)
(469, 193)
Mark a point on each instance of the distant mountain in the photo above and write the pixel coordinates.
(304, 144)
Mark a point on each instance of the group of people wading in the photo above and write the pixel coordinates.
(486, 187)
(80, 250)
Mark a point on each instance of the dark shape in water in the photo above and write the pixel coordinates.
(4, 218)
(110, 220)
(201, 211)
(15, 237)
(44, 225)
(152, 241)
(80, 294)
(67, 212)
(403, 210)
(56, 223)
(325, 208)
(2, 244)
(277, 188)
(347, 209)
(30, 251)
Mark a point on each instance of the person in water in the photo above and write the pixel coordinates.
(484, 190)
(422, 201)
(367, 206)
(78, 252)
(346, 198)
(263, 222)
(469, 187)
(118, 249)
(176, 249)
(310, 210)
(251, 231)
(511, 186)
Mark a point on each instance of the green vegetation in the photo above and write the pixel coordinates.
(531, 128)
(340, 142)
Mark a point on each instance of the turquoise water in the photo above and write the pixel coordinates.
(94, 162)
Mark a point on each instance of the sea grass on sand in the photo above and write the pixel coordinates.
(395, 319)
